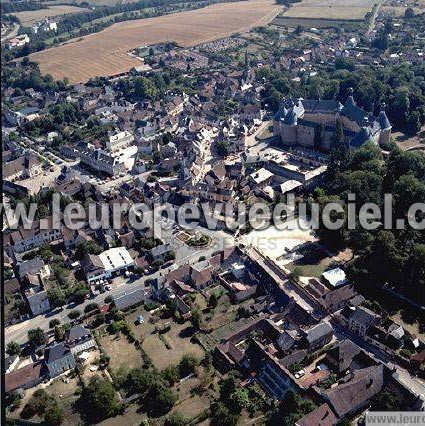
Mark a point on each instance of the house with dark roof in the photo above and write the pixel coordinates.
(30, 267)
(58, 359)
(38, 301)
(340, 357)
(318, 336)
(361, 319)
(161, 252)
(79, 339)
(130, 299)
(11, 286)
(321, 416)
(354, 395)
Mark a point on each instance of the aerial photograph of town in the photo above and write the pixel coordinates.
(213, 212)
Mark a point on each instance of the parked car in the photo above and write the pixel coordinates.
(299, 374)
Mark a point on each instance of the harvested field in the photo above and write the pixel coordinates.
(331, 9)
(105, 53)
(283, 21)
(30, 17)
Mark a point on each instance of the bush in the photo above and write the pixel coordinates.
(98, 400)
(53, 415)
(36, 337)
(99, 320)
(36, 405)
(13, 348)
(188, 365)
(53, 323)
(91, 307)
(108, 299)
(74, 314)
(171, 374)
(175, 419)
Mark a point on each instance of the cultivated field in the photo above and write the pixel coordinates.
(105, 53)
(30, 17)
(93, 2)
(283, 21)
(330, 9)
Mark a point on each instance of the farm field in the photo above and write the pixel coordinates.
(283, 21)
(105, 53)
(31, 16)
(93, 2)
(330, 9)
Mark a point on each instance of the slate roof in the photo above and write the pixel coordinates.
(91, 262)
(159, 250)
(77, 332)
(321, 416)
(53, 353)
(37, 299)
(9, 361)
(363, 316)
(355, 393)
(291, 118)
(361, 137)
(318, 331)
(11, 286)
(353, 112)
(129, 299)
(314, 105)
(384, 123)
(343, 354)
(32, 266)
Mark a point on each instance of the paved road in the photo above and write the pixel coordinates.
(184, 255)
(373, 18)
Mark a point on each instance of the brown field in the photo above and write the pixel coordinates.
(29, 17)
(330, 9)
(105, 53)
(180, 345)
(121, 352)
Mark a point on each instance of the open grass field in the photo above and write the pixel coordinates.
(31, 16)
(178, 337)
(121, 352)
(330, 9)
(105, 53)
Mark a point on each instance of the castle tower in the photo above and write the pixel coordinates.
(288, 126)
(385, 125)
